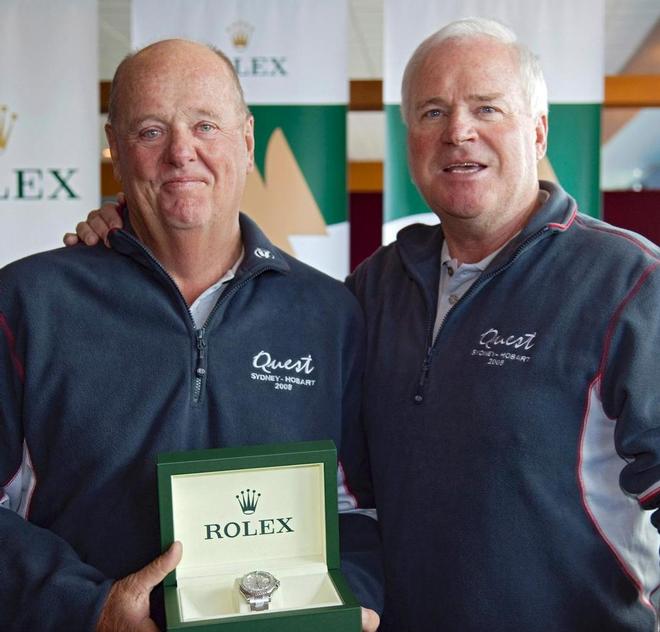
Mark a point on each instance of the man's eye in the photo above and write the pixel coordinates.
(150, 133)
(206, 127)
(487, 109)
(433, 114)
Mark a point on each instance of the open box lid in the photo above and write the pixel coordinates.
(234, 508)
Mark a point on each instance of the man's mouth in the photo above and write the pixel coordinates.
(183, 182)
(464, 167)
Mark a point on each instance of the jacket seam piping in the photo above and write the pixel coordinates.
(11, 341)
(617, 313)
(617, 233)
(650, 496)
(566, 225)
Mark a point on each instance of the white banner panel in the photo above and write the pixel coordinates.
(285, 51)
(49, 113)
(568, 36)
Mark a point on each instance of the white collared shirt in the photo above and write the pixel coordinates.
(205, 302)
(456, 279)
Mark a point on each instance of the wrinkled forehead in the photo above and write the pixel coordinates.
(180, 75)
(161, 70)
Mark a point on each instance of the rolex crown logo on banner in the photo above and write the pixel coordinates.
(240, 33)
(6, 126)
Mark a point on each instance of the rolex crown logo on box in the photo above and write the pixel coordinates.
(248, 501)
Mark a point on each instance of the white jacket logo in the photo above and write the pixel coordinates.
(493, 338)
(497, 348)
(283, 374)
(262, 253)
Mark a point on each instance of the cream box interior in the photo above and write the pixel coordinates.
(237, 521)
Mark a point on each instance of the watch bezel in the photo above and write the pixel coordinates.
(248, 592)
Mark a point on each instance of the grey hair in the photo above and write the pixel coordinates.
(116, 81)
(531, 73)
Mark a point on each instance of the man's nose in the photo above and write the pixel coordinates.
(181, 148)
(459, 128)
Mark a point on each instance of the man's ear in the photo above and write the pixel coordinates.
(249, 142)
(114, 153)
(541, 129)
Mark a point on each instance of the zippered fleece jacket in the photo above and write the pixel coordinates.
(102, 369)
(514, 456)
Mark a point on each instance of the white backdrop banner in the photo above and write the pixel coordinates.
(285, 51)
(49, 117)
(291, 57)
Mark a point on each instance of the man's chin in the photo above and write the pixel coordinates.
(463, 207)
(185, 214)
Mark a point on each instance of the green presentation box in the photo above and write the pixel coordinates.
(270, 508)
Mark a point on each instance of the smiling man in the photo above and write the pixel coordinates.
(182, 149)
(474, 141)
(511, 402)
(110, 356)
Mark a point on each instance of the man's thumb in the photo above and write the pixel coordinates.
(156, 571)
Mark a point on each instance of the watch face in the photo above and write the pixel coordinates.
(258, 582)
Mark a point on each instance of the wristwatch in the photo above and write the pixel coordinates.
(257, 587)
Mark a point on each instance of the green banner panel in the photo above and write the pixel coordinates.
(574, 152)
(401, 196)
(317, 137)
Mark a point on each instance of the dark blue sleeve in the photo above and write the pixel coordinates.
(630, 390)
(361, 559)
(44, 584)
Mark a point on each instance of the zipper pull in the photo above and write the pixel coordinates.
(200, 369)
(419, 395)
(201, 345)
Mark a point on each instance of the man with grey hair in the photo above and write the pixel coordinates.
(111, 356)
(511, 402)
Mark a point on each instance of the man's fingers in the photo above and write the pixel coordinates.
(70, 239)
(127, 606)
(97, 223)
(86, 234)
(370, 620)
(155, 572)
(110, 213)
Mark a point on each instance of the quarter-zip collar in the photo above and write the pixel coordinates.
(420, 246)
(260, 253)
